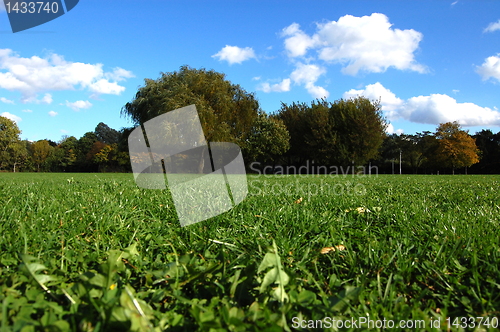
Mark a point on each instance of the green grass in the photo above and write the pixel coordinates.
(93, 252)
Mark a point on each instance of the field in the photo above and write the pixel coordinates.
(93, 252)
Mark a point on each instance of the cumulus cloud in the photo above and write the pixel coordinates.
(367, 43)
(52, 113)
(6, 101)
(307, 75)
(34, 75)
(234, 54)
(490, 68)
(494, 26)
(11, 116)
(439, 108)
(78, 105)
(283, 86)
(388, 100)
(297, 42)
(27, 111)
(432, 109)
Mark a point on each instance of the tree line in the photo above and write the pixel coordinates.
(348, 132)
(101, 150)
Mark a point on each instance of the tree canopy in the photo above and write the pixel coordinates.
(226, 110)
(340, 133)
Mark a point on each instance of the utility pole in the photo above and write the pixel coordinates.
(400, 152)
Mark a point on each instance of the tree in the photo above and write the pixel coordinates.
(455, 148)
(226, 110)
(268, 140)
(69, 155)
(40, 151)
(294, 117)
(106, 134)
(19, 152)
(489, 145)
(9, 140)
(338, 133)
(360, 127)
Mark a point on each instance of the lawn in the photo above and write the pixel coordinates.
(93, 252)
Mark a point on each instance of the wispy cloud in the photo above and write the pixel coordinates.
(494, 26)
(6, 101)
(78, 105)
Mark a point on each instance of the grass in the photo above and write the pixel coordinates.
(93, 252)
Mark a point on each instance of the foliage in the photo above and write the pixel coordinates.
(106, 134)
(268, 140)
(226, 110)
(340, 133)
(455, 147)
(92, 252)
(10, 145)
(40, 151)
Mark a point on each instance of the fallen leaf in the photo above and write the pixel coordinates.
(326, 250)
(298, 201)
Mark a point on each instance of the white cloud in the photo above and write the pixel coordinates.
(106, 87)
(52, 113)
(11, 116)
(7, 101)
(78, 105)
(307, 75)
(490, 68)
(283, 86)
(297, 42)
(34, 75)
(27, 111)
(439, 108)
(433, 109)
(494, 26)
(390, 130)
(63, 131)
(119, 74)
(234, 54)
(388, 100)
(365, 43)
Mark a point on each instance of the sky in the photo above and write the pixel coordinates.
(428, 62)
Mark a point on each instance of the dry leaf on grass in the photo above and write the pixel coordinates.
(326, 250)
(298, 201)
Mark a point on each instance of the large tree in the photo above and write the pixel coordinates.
(334, 133)
(40, 150)
(455, 148)
(226, 110)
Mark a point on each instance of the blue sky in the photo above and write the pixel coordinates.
(428, 61)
